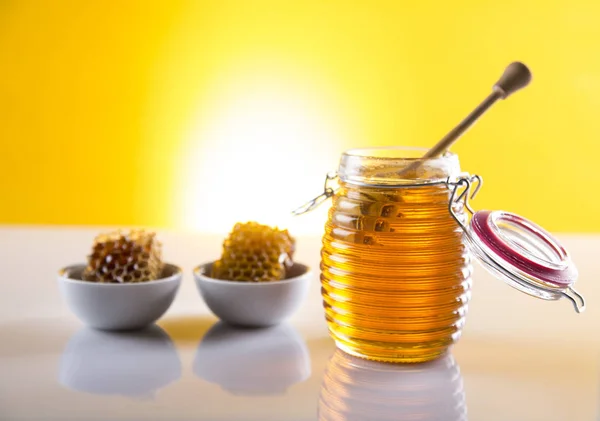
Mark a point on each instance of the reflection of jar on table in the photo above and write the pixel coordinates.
(354, 389)
(396, 267)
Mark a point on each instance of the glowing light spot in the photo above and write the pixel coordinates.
(264, 151)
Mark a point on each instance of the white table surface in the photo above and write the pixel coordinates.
(519, 358)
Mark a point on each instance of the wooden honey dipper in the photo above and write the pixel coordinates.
(515, 76)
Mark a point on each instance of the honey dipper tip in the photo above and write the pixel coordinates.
(516, 76)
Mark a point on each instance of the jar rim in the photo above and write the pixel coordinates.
(384, 166)
(386, 153)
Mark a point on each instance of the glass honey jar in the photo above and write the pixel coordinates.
(396, 261)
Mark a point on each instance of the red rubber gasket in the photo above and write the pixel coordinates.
(483, 226)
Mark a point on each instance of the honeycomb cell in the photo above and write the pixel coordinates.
(255, 253)
(124, 257)
(387, 210)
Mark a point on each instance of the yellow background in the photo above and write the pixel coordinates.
(155, 113)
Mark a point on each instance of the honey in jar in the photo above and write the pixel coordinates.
(396, 275)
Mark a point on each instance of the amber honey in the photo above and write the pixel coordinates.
(396, 275)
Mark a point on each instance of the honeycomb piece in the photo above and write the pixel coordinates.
(255, 253)
(123, 258)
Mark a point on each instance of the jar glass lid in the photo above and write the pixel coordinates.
(516, 250)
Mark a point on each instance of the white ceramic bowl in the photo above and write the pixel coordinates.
(254, 304)
(125, 306)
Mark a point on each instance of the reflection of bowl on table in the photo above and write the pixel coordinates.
(123, 306)
(118, 363)
(254, 303)
(263, 361)
(354, 389)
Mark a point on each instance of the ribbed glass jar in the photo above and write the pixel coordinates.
(395, 273)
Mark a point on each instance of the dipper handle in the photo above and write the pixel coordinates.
(515, 77)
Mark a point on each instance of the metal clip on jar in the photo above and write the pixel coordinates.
(396, 258)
